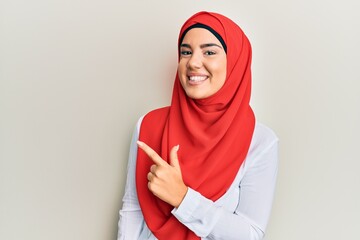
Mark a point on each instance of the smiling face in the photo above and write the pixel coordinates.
(202, 64)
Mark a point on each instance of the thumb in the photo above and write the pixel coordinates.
(174, 161)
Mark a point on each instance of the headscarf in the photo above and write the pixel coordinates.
(214, 133)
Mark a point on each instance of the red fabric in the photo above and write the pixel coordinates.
(214, 133)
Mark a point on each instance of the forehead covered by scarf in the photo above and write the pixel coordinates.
(200, 25)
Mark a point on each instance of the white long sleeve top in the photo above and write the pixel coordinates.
(241, 213)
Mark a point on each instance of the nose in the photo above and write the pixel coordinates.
(195, 61)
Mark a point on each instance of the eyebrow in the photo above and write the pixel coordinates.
(205, 45)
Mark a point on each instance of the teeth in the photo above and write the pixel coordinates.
(197, 78)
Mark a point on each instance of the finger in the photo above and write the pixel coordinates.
(153, 169)
(151, 153)
(150, 176)
(174, 160)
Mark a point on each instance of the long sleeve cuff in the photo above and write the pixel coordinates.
(188, 206)
(194, 212)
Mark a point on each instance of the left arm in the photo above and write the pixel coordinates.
(207, 219)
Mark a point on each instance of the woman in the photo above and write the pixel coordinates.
(202, 168)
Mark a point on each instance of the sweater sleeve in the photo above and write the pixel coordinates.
(248, 221)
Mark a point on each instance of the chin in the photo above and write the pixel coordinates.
(195, 96)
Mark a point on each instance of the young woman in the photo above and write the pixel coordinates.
(202, 168)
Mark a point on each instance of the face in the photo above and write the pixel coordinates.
(202, 65)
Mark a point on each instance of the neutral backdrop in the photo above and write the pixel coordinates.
(76, 75)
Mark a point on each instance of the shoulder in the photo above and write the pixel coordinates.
(153, 119)
(264, 138)
(157, 114)
(263, 134)
(153, 115)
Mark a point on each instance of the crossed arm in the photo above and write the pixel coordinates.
(241, 214)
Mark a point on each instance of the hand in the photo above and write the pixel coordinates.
(165, 180)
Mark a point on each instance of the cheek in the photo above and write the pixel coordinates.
(181, 74)
(181, 70)
(221, 72)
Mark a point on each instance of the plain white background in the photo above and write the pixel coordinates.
(76, 75)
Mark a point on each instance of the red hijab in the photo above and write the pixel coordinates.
(214, 133)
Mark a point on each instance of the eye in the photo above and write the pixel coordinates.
(185, 53)
(210, 52)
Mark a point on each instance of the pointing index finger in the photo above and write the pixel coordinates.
(151, 153)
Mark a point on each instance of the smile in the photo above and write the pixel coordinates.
(197, 79)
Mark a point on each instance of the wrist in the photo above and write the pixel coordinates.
(181, 197)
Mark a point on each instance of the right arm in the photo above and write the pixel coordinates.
(131, 220)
